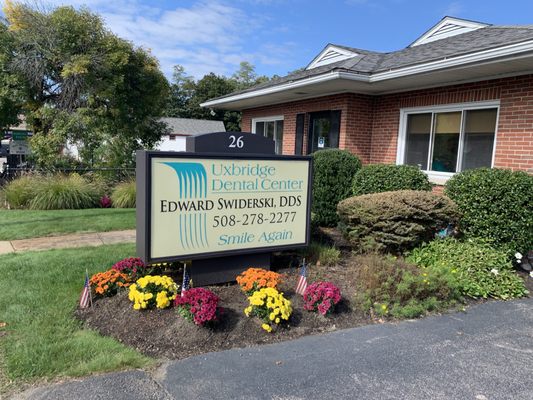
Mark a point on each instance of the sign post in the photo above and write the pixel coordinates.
(225, 211)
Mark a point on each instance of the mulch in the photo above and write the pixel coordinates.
(165, 335)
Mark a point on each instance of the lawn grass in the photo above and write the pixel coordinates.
(23, 224)
(39, 292)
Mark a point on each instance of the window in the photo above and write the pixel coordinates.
(448, 139)
(272, 128)
(171, 137)
(323, 130)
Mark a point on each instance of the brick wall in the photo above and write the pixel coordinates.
(355, 127)
(369, 125)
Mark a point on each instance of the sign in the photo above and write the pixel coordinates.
(321, 142)
(199, 206)
(19, 147)
(19, 135)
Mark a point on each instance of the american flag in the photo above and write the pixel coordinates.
(85, 299)
(302, 281)
(186, 281)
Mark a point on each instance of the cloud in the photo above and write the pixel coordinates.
(454, 9)
(207, 36)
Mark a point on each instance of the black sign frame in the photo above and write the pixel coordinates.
(144, 204)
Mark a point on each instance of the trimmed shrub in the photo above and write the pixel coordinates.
(497, 205)
(60, 192)
(388, 286)
(380, 178)
(480, 270)
(333, 172)
(124, 195)
(395, 221)
(20, 191)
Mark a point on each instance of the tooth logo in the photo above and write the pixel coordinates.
(192, 180)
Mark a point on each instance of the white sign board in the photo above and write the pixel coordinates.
(19, 147)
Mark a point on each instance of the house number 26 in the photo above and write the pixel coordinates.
(236, 141)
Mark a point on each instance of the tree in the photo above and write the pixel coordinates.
(85, 84)
(12, 90)
(246, 77)
(180, 93)
(186, 95)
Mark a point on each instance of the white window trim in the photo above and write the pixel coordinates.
(437, 177)
(266, 119)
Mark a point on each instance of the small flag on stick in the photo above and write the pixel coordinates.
(302, 281)
(86, 299)
(186, 281)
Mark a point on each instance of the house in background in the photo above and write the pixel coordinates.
(180, 128)
(459, 97)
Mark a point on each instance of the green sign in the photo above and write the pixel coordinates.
(20, 135)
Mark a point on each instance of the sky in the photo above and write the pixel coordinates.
(278, 36)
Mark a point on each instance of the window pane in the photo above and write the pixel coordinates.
(269, 129)
(446, 141)
(417, 141)
(260, 128)
(279, 137)
(480, 126)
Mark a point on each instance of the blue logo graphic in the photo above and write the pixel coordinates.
(192, 180)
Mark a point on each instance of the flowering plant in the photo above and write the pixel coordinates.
(321, 297)
(198, 305)
(254, 279)
(109, 282)
(105, 201)
(131, 266)
(269, 305)
(150, 291)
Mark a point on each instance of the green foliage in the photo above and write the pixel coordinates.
(60, 192)
(388, 286)
(20, 191)
(389, 177)
(497, 205)
(481, 270)
(186, 94)
(84, 84)
(124, 195)
(327, 255)
(395, 221)
(333, 172)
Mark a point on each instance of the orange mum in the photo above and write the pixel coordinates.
(257, 278)
(107, 283)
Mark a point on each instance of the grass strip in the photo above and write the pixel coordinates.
(39, 292)
(24, 224)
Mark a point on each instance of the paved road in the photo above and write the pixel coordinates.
(485, 353)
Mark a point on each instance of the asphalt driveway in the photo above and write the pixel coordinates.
(484, 353)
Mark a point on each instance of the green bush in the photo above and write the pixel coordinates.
(394, 221)
(59, 192)
(333, 172)
(497, 205)
(380, 178)
(327, 255)
(20, 191)
(481, 270)
(124, 195)
(389, 286)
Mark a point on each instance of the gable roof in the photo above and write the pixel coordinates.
(446, 27)
(480, 44)
(192, 127)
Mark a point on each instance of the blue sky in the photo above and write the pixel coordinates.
(278, 36)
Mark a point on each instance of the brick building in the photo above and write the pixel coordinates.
(459, 97)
